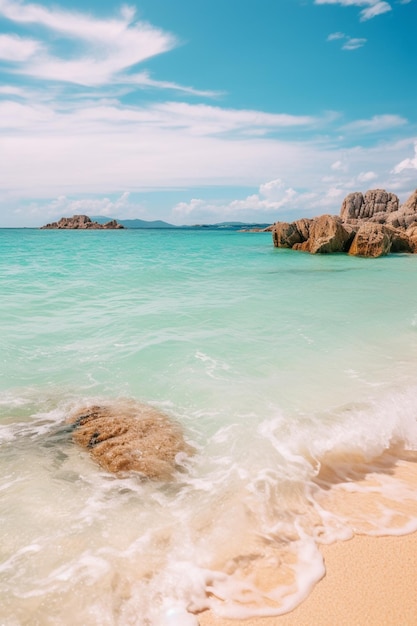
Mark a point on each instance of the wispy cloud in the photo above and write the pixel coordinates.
(103, 50)
(111, 116)
(407, 164)
(375, 124)
(349, 43)
(354, 43)
(371, 9)
(366, 177)
(335, 36)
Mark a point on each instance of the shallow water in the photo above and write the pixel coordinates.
(293, 377)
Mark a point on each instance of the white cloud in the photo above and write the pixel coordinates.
(11, 90)
(273, 179)
(372, 7)
(354, 43)
(339, 166)
(335, 36)
(407, 164)
(271, 197)
(350, 43)
(107, 47)
(17, 49)
(377, 8)
(375, 124)
(204, 119)
(365, 177)
(109, 116)
(64, 206)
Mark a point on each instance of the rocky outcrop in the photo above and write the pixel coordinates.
(81, 222)
(374, 205)
(127, 436)
(370, 224)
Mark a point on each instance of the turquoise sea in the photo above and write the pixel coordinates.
(289, 374)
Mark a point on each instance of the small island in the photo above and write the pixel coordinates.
(81, 222)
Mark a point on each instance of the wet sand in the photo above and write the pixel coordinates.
(369, 581)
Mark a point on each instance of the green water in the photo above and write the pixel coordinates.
(260, 353)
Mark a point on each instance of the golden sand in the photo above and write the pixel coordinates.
(369, 580)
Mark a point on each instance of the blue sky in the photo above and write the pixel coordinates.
(204, 111)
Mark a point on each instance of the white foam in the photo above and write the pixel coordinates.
(166, 552)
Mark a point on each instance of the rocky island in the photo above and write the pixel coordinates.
(369, 225)
(81, 222)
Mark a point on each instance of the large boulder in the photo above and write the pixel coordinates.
(406, 215)
(376, 205)
(351, 206)
(411, 234)
(127, 436)
(327, 234)
(285, 235)
(303, 227)
(371, 240)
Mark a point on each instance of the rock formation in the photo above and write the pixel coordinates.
(81, 222)
(370, 224)
(127, 436)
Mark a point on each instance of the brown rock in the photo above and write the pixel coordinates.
(400, 241)
(376, 205)
(126, 436)
(327, 235)
(112, 224)
(303, 227)
(351, 206)
(407, 213)
(411, 233)
(285, 235)
(82, 222)
(371, 240)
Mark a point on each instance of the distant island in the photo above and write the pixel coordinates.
(138, 223)
(81, 222)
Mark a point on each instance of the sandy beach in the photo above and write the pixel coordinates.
(369, 581)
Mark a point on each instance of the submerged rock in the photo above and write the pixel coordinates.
(127, 436)
(82, 222)
(370, 224)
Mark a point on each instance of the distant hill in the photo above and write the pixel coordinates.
(137, 223)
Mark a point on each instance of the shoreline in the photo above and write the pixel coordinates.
(369, 581)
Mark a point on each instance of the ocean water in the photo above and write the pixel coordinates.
(292, 376)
